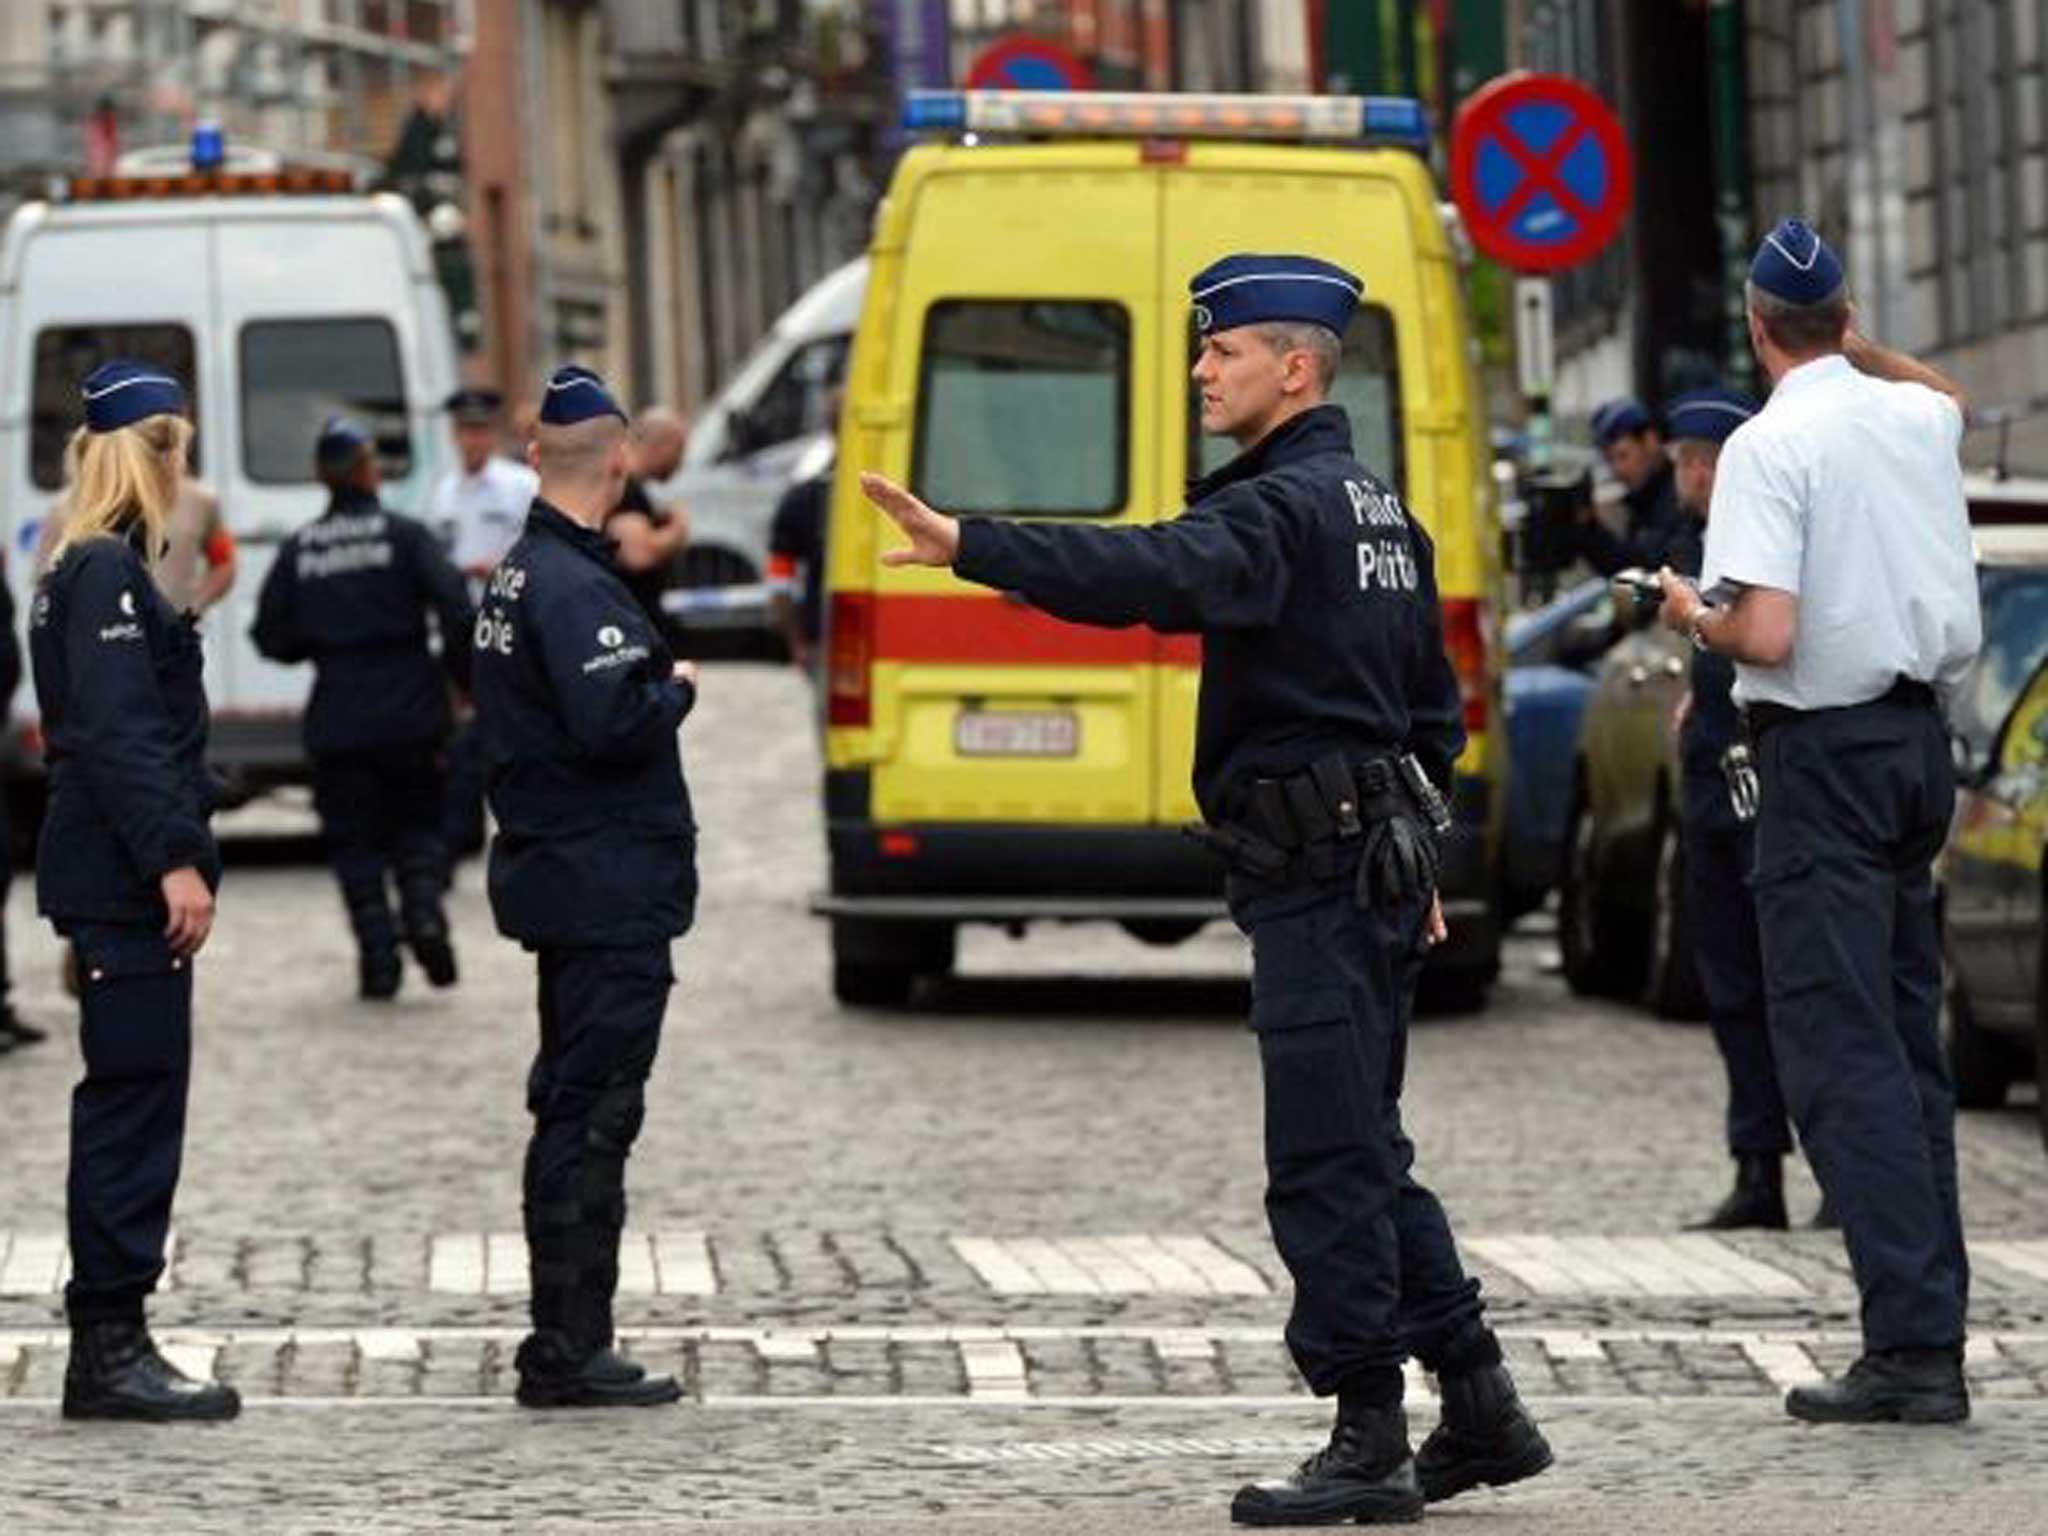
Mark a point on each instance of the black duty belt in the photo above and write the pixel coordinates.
(1299, 820)
(1763, 717)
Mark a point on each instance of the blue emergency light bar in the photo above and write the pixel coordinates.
(1398, 120)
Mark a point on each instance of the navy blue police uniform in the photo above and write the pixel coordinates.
(1654, 525)
(594, 869)
(1720, 851)
(1314, 592)
(352, 593)
(1845, 491)
(124, 717)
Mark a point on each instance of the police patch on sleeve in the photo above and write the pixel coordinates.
(128, 628)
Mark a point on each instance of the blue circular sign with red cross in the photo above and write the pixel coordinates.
(1540, 169)
(1028, 64)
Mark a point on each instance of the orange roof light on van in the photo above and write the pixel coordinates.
(295, 181)
(1398, 120)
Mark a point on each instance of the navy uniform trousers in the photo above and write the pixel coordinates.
(600, 1026)
(381, 811)
(1376, 1273)
(1720, 852)
(127, 1115)
(1855, 804)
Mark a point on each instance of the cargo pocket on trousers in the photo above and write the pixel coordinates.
(134, 1002)
(1793, 927)
(1315, 1096)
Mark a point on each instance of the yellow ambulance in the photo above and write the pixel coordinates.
(1023, 351)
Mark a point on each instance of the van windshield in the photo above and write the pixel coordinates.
(1023, 407)
(65, 354)
(1368, 387)
(297, 373)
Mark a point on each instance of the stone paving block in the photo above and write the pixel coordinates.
(208, 1263)
(1058, 1367)
(808, 1263)
(1126, 1367)
(387, 1378)
(1185, 1376)
(250, 1369)
(396, 1263)
(869, 1261)
(274, 1263)
(1260, 1370)
(1530, 1365)
(496, 1375)
(319, 1370)
(747, 1265)
(41, 1371)
(338, 1263)
(793, 1377)
(2006, 1386)
(1591, 1378)
(930, 1370)
(730, 1370)
(451, 1367)
(859, 1367)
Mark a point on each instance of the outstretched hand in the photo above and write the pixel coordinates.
(934, 537)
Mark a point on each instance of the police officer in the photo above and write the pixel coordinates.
(1720, 850)
(477, 508)
(593, 868)
(1629, 441)
(1328, 722)
(1839, 552)
(126, 871)
(351, 592)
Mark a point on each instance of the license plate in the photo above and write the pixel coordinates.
(1017, 733)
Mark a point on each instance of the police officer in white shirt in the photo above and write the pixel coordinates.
(1840, 570)
(479, 507)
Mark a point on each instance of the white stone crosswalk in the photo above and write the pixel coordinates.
(686, 1263)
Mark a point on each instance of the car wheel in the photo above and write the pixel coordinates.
(1673, 989)
(1587, 966)
(1980, 1064)
(876, 964)
(872, 986)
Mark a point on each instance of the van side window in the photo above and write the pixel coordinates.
(797, 401)
(1023, 407)
(65, 354)
(297, 373)
(1368, 387)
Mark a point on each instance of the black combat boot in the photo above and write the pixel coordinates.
(557, 1372)
(1893, 1386)
(1366, 1475)
(422, 876)
(1485, 1436)
(115, 1372)
(1757, 1200)
(378, 975)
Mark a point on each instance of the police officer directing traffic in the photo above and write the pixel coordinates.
(1328, 722)
(1839, 546)
(1720, 850)
(593, 868)
(126, 871)
(351, 592)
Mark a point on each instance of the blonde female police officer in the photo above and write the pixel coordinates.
(127, 873)
(1323, 667)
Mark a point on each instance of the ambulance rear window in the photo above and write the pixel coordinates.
(297, 373)
(1023, 407)
(65, 354)
(1368, 387)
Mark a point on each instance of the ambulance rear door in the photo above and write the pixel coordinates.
(1026, 348)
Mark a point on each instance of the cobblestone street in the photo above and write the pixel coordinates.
(997, 1259)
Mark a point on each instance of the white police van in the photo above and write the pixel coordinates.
(279, 295)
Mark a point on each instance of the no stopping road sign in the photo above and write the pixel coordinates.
(1540, 169)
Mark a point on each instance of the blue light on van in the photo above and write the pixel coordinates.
(209, 147)
(924, 111)
(1396, 120)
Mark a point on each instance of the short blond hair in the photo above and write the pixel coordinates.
(112, 479)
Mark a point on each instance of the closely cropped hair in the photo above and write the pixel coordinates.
(113, 478)
(1802, 329)
(1319, 341)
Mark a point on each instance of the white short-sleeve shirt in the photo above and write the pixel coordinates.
(1846, 491)
(479, 516)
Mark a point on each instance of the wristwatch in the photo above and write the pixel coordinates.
(1698, 635)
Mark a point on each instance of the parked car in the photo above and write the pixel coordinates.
(1552, 653)
(767, 429)
(1622, 919)
(1990, 874)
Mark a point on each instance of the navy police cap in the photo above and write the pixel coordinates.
(1795, 264)
(342, 441)
(474, 405)
(1262, 290)
(1617, 419)
(120, 393)
(576, 394)
(1707, 415)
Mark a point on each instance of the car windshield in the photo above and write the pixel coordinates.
(2015, 601)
